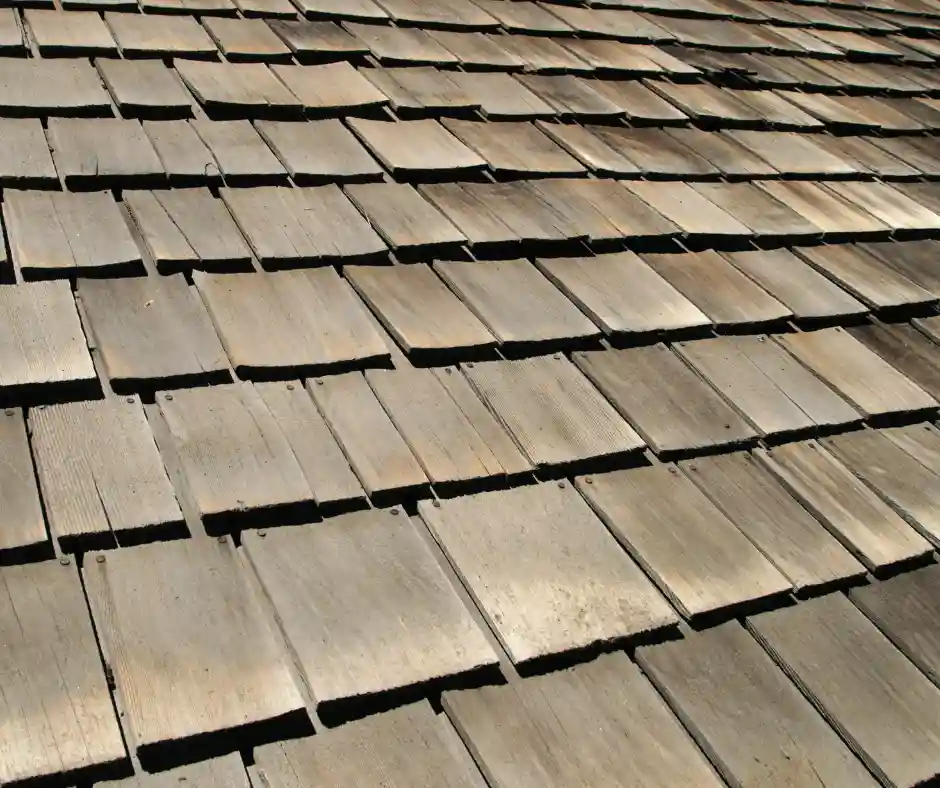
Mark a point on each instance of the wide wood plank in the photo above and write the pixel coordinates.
(855, 515)
(622, 294)
(556, 416)
(185, 229)
(59, 234)
(693, 552)
(801, 288)
(884, 707)
(64, 87)
(48, 349)
(152, 332)
(597, 723)
(234, 457)
(160, 35)
(868, 382)
(22, 524)
(101, 475)
(419, 311)
(443, 438)
(241, 89)
(921, 441)
(58, 717)
(545, 572)
(744, 712)
(191, 650)
(186, 159)
(906, 349)
(330, 90)
(765, 215)
(25, 160)
(794, 541)
(366, 607)
(240, 153)
(290, 323)
(247, 40)
(145, 89)
(689, 210)
(913, 259)
(406, 748)
(762, 382)
(669, 405)
(905, 609)
(386, 466)
(517, 303)
(911, 488)
(317, 41)
(76, 34)
(824, 208)
(227, 771)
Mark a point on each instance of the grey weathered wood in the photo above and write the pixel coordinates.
(744, 712)
(792, 154)
(187, 228)
(669, 405)
(192, 652)
(855, 515)
(56, 234)
(545, 572)
(58, 717)
(928, 326)
(290, 323)
(904, 347)
(334, 485)
(731, 159)
(764, 383)
(317, 41)
(152, 332)
(884, 707)
(227, 771)
(599, 724)
(468, 211)
(653, 153)
(418, 310)
(517, 302)
(417, 147)
(405, 748)
(240, 152)
(185, 157)
(910, 487)
(342, 9)
(681, 204)
(622, 294)
(541, 55)
(921, 441)
(247, 89)
(477, 51)
(379, 455)
(101, 475)
(458, 14)
(48, 347)
(443, 438)
(694, 553)
(501, 97)
(889, 205)
(160, 35)
(292, 227)
(794, 541)
(866, 276)
(393, 46)
(22, 525)
(360, 598)
(418, 91)
(603, 157)
(247, 40)
(25, 160)
(233, 455)
(79, 33)
(563, 197)
(802, 289)
(145, 89)
(331, 90)
(721, 291)
(556, 416)
(634, 218)
(641, 104)
(407, 221)
(765, 215)
(914, 259)
(824, 208)
(36, 86)
(320, 151)
(12, 40)
(905, 609)
(872, 385)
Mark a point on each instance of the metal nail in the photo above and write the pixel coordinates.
(64, 561)
(290, 386)
(100, 559)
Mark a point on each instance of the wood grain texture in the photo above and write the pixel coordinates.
(443, 438)
(57, 717)
(233, 454)
(921, 441)
(405, 748)
(25, 160)
(551, 409)
(905, 609)
(744, 712)
(545, 572)
(101, 475)
(855, 515)
(185, 157)
(862, 377)
(669, 405)
(795, 542)
(152, 331)
(227, 771)
(904, 347)
(884, 707)
(365, 606)
(290, 323)
(22, 524)
(145, 89)
(242, 156)
(696, 555)
(594, 724)
(187, 639)
(685, 207)
(379, 455)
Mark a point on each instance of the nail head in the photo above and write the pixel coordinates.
(290, 386)
(100, 559)
(64, 561)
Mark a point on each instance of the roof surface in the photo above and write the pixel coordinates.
(420, 393)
